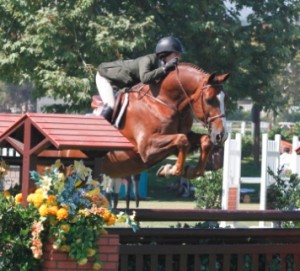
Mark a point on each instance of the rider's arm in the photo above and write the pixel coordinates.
(149, 71)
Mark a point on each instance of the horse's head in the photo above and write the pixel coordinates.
(203, 93)
(208, 103)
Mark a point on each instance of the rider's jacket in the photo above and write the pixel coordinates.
(127, 73)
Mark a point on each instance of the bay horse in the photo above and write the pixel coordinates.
(158, 122)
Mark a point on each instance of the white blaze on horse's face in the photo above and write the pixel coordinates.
(221, 98)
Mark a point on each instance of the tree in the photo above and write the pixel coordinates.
(269, 42)
(57, 45)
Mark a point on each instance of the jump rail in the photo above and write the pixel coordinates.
(218, 249)
(215, 215)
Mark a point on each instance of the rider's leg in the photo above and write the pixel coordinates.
(107, 95)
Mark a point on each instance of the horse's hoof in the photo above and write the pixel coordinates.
(164, 171)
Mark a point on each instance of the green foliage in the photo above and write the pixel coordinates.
(15, 235)
(284, 192)
(208, 190)
(286, 134)
(247, 145)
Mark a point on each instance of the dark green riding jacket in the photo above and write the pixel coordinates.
(127, 73)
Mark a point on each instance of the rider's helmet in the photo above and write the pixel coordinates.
(169, 44)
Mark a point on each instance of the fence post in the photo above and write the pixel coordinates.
(269, 158)
(295, 166)
(231, 172)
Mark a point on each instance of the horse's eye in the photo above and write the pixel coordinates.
(210, 101)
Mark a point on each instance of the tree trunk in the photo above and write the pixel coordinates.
(256, 135)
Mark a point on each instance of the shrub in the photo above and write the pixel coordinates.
(208, 190)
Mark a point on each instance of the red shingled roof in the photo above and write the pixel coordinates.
(65, 131)
(6, 120)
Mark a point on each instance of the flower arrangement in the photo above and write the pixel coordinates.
(70, 209)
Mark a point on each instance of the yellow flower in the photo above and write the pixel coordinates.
(43, 210)
(83, 261)
(90, 252)
(30, 198)
(18, 198)
(103, 231)
(65, 227)
(62, 213)
(78, 183)
(53, 210)
(6, 194)
(51, 199)
(38, 199)
(65, 248)
(97, 266)
(39, 191)
(61, 176)
(93, 192)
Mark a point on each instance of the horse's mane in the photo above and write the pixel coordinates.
(193, 66)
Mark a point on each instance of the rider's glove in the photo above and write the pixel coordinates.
(171, 65)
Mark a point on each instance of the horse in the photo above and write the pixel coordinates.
(158, 122)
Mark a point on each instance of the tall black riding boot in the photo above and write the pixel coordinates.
(116, 200)
(109, 197)
(107, 112)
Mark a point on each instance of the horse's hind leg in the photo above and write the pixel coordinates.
(160, 146)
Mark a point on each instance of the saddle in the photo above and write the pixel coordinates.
(118, 110)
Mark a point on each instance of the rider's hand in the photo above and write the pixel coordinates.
(171, 65)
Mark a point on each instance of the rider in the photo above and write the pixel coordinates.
(146, 69)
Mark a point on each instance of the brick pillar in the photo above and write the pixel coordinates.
(55, 260)
(232, 198)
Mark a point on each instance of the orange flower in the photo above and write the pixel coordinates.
(106, 215)
(62, 213)
(111, 220)
(65, 227)
(18, 198)
(51, 199)
(53, 210)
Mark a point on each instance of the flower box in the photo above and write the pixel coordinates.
(55, 260)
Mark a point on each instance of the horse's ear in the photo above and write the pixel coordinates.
(211, 77)
(222, 78)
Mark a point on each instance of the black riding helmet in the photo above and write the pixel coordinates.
(169, 44)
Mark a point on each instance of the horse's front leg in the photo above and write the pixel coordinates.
(205, 145)
(160, 146)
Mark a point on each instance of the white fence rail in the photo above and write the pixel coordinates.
(270, 158)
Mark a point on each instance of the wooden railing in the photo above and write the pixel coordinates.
(226, 249)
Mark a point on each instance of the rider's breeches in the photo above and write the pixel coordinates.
(105, 90)
(114, 185)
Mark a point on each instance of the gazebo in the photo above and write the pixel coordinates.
(40, 138)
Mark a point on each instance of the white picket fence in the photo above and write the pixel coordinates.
(270, 158)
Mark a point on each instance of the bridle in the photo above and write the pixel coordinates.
(191, 100)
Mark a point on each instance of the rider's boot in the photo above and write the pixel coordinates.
(116, 200)
(110, 199)
(107, 113)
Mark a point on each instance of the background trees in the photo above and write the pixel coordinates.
(57, 45)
